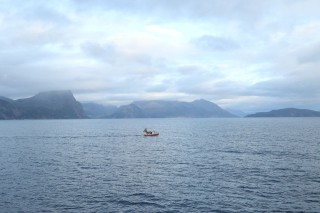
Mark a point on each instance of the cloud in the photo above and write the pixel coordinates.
(215, 43)
(188, 9)
(310, 54)
(247, 53)
(104, 52)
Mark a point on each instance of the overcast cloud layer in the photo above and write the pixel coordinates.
(248, 55)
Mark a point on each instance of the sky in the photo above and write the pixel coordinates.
(247, 55)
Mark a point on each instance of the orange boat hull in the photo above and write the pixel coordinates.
(156, 134)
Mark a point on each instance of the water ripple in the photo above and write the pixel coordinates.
(195, 165)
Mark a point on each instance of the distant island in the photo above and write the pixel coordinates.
(287, 112)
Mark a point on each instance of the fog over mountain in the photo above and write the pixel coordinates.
(94, 110)
(236, 112)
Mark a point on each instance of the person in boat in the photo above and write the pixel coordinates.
(146, 131)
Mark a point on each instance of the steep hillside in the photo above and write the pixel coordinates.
(45, 105)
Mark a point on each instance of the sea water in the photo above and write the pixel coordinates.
(194, 165)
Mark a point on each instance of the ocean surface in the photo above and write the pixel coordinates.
(194, 165)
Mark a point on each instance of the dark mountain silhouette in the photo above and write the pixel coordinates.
(45, 105)
(287, 112)
(170, 109)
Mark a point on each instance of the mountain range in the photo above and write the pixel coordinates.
(45, 105)
(63, 105)
(170, 109)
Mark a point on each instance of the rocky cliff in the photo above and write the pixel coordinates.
(45, 105)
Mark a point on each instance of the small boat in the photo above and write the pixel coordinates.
(153, 133)
(150, 133)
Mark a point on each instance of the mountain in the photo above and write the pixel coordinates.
(161, 109)
(209, 109)
(287, 112)
(94, 110)
(128, 111)
(237, 112)
(8, 110)
(6, 99)
(170, 109)
(45, 105)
